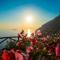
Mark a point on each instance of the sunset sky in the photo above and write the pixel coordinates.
(27, 14)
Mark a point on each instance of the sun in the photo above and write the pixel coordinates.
(29, 19)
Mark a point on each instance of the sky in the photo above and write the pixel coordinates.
(27, 14)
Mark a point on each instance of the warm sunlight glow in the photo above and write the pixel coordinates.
(29, 19)
(28, 33)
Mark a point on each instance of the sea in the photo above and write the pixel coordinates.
(6, 33)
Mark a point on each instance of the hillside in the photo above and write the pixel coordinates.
(51, 26)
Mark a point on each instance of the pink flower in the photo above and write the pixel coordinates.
(19, 35)
(25, 36)
(34, 41)
(32, 36)
(58, 37)
(57, 50)
(44, 39)
(12, 54)
(18, 44)
(39, 33)
(5, 55)
(28, 49)
(12, 50)
(18, 55)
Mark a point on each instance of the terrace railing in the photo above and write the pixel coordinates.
(9, 37)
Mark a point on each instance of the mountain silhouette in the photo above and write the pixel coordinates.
(52, 26)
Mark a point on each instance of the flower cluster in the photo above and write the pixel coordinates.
(39, 45)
